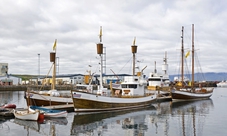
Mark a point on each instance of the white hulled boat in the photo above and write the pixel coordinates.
(222, 84)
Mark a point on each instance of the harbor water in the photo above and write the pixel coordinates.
(192, 118)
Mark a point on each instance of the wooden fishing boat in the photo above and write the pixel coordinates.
(190, 90)
(132, 94)
(49, 112)
(49, 97)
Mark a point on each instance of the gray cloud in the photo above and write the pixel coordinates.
(30, 27)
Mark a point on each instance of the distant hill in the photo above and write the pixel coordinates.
(209, 76)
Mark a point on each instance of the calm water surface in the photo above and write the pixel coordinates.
(196, 118)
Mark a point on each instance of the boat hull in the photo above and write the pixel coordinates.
(62, 114)
(13, 106)
(186, 95)
(85, 102)
(25, 115)
(49, 112)
(46, 100)
(222, 84)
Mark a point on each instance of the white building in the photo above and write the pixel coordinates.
(15, 80)
(3, 69)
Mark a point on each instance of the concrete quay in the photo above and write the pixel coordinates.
(37, 87)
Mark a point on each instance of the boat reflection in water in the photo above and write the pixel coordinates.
(33, 125)
(6, 97)
(48, 126)
(131, 122)
(166, 118)
(193, 115)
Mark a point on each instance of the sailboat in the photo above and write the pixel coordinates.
(191, 90)
(131, 96)
(53, 96)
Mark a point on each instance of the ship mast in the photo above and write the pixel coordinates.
(182, 55)
(134, 51)
(192, 56)
(53, 59)
(100, 52)
(165, 65)
(155, 70)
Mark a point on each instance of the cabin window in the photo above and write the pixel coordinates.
(129, 86)
(124, 86)
(80, 87)
(132, 86)
(154, 79)
(164, 80)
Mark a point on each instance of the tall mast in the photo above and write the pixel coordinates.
(182, 55)
(165, 65)
(192, 56)
(155, 70)
(134, 51)
(54, 74)
(53, 59)
(100, 52)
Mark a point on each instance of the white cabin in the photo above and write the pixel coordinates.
(133, 86)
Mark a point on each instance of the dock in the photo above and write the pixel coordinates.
(36, 87)
(6, 113)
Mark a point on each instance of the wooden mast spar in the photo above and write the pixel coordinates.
(134, 51)
(193, 51)
(182, 56)
(53, 59)
(100, 53)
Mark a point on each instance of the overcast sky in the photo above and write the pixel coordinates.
(29, 28)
